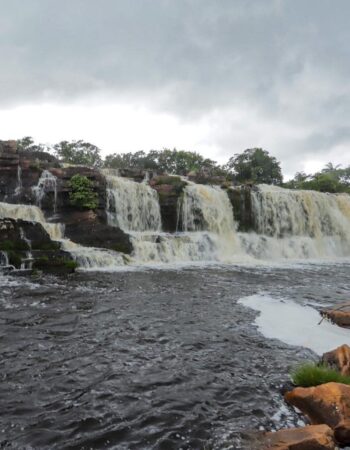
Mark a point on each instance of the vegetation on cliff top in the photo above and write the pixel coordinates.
(252, 166)
(82, 194)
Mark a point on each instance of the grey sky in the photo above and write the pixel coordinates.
(271, 73)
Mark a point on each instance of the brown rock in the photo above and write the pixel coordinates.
(325, 404)
(314, 437)
(339, 315)
(338, 359)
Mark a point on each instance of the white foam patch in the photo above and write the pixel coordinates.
(295, 324)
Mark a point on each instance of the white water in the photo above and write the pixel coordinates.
(19, 186)
(31, 214)
(295, 324)
(298, 224)
(292, 225)
(46, 183)
(131, 206)
(87, 257)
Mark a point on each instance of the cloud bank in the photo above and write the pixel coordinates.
(217, 76)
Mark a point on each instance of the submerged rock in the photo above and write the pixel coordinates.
(314, 437)
(325, 404)
(339, 315)
(338, 359)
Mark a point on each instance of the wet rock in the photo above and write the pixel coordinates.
(338, 359)
(169, 190)
(340, 315)
(314, 437)
(87, 229)
(325, 404)
(24, 243)
(240, 198)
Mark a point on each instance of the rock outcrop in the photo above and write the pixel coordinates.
(169, 190)
(340, 315)
(26, 244)
(338, 359)
(87, 228)
(314, 437)
(325, 404)
(240, 198)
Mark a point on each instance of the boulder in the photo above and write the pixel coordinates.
(325, 404)
(339, 315)
(313, 437)
(338, 359)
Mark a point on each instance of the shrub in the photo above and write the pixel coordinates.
(311, 374)
(82, 194)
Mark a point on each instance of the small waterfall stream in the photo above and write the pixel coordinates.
(47, 183)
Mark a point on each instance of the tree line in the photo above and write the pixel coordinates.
(252, 166)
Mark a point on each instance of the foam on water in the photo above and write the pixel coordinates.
(295, 324)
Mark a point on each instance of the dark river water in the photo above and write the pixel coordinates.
(153, 359)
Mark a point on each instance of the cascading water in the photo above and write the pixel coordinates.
(87, 257)
(134, 207)
(28, 262)
(31, 214)
(19, 186)
(298, 224)
(131, 206)
(47, 183)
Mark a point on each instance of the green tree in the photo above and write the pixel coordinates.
(174, 161)
(79, 153)
(255, 165)
(331, 179)
(81, 192)
(27, 144)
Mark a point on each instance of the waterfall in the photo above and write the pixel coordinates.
(28, 262)
(46, 183)
(87, 257)
(206, 208)
(19, 186)
(298, 224)
(31, 214)
(131, 206)
(93, 258)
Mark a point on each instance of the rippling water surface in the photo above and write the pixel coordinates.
(150, 359)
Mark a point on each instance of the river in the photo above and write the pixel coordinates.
(152, 359)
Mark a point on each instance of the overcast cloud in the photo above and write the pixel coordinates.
(215, 76)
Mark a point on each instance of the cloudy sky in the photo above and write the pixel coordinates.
(214, 76)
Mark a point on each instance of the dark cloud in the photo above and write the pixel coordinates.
(288, 60)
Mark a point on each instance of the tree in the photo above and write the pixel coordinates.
(255, 165)
(332, 178)
(81, 192)
(174, 161)
(26, 144)
(79, 153)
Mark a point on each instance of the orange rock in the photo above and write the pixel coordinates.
(339, 315)
(313, 437)
(325, 404)
(338, 359)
